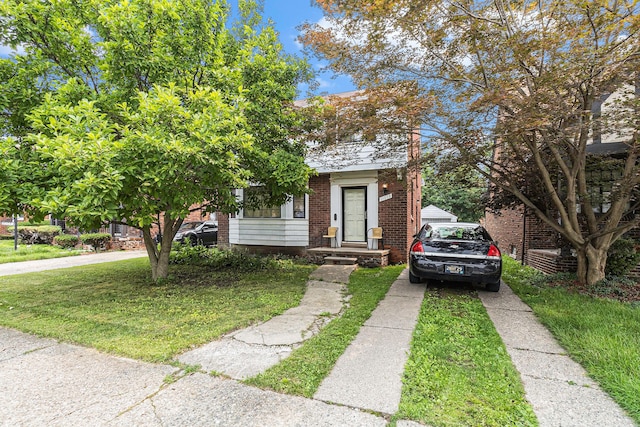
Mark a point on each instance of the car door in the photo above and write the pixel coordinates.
(208, 234)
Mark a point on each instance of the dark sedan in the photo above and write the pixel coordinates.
(198, 233)
(455, 251)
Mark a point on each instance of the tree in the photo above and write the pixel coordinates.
(459, 191)
(149, 107)
(514, 89)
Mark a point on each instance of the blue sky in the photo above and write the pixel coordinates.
(289, 14)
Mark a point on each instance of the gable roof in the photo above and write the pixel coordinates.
(434, 214)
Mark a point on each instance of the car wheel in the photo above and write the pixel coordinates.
(193, 240)
(493, 287)
(414, 279)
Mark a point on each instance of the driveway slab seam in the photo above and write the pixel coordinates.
(532, 350)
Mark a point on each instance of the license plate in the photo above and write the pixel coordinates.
(454, 269)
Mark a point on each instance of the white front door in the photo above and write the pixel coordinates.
(355, 214)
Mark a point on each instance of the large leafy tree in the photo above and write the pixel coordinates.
(513, 89)
(138, 108)
(458, 190)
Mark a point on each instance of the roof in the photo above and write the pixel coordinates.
(432, 211)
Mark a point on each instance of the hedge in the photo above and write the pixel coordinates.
(98, 241)
(37, 234)
(66, 240)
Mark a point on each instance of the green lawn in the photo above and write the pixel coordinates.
(116, 308)
(602, 335)
(31, 252)
(459, 372)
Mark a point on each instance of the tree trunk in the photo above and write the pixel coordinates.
(591, 264)
(583, 263)
(597, 260)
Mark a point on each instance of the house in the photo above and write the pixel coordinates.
(524, 237)
(358, 189)
(431, 214)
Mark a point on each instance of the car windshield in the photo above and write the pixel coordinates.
(458, 233)
(189, 226)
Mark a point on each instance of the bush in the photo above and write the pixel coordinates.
(98, 241)
(218, 259)
(66, 240)
(37, 234)
(622, 257)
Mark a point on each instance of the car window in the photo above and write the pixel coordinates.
(189, 225)
(459, 233)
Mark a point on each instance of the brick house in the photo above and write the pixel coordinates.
(526, 238)
(357, 189)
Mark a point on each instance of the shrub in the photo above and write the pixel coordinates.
(98, 241)
(218, 259)
(622, 257)
(37, 234)
(66, 240)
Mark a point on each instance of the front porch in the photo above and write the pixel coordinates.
(361, 255)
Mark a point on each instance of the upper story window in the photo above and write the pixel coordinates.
(253, 194)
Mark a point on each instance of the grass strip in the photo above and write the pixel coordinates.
(602, 335)
(32, 252)
(303, 371)
(115, 307)
(459, 372)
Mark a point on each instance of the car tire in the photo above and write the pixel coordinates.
(193, 240)
(493, 287)
(414, 279)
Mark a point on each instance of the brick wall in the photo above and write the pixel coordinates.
(506, 229)
(392, 215)
(549, 261)
(319, 210)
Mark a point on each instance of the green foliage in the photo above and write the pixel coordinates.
(222, 259)
(66, 240)
(98, 241)
(458, 191)
(38, 234)
(623, 256)
(145, 107)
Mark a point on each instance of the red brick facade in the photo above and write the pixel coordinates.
(516, 234)
(319, 210)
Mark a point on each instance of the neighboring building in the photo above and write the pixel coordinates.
(357, 189)
(432, 214)
(528, 239)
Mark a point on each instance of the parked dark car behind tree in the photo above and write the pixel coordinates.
(198, 233)
(455, 251)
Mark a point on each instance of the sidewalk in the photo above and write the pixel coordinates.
(66, 262)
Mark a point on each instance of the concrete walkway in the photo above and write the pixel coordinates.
(558, 388)
(44, 382)
(66, 262)
(253, 350)
(369, 374)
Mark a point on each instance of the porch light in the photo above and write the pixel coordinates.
(385, 188)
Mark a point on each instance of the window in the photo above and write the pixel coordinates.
(252, 196)
(298, 207)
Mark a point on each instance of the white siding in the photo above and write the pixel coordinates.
(269, 232)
